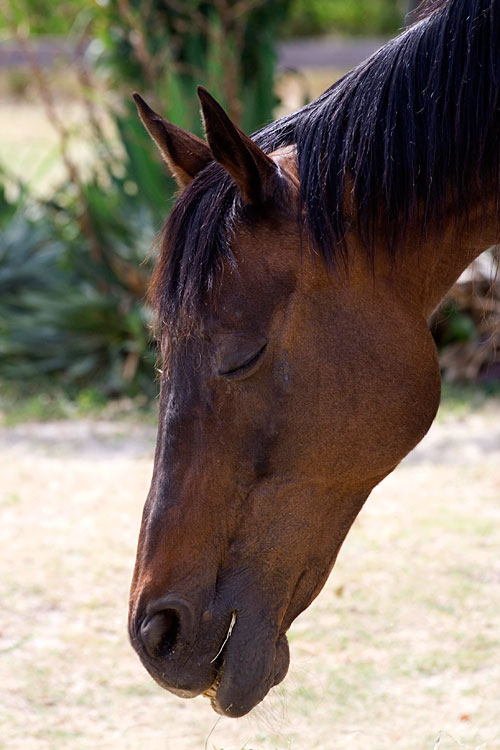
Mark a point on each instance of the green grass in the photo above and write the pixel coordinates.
(461, 398)
(20, 404)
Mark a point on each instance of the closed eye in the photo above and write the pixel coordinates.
(247, 367)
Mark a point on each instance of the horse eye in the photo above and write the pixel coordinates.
(234, 370)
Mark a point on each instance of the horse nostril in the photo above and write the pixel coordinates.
(166, 620)
(159, 632)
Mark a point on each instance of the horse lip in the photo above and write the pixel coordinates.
(219, 660)
(222, 661)
(158, 668)
(158, 676)
(211, 692)
(281, 664)
(282, 659)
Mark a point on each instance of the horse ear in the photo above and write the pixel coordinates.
(185, 154)
(248, 165)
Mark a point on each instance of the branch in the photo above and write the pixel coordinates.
(138, 41)
(64, 135)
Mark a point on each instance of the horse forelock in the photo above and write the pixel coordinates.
(193, 242)
(196, 242)
(413, 130)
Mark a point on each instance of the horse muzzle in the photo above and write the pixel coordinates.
(232, 656)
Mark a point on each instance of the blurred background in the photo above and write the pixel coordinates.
(83, 193)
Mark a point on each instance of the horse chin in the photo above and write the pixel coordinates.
(244, 679)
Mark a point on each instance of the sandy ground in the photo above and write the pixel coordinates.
(401, 649)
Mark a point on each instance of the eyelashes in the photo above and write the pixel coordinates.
(246, 368)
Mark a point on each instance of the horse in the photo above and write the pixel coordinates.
(295, 279)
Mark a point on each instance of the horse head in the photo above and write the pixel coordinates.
(288, 391)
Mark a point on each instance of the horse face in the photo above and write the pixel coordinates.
(276, 421)
(294, 395)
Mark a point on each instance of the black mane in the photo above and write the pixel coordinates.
(415, 128)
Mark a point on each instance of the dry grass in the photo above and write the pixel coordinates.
(29, 148)
(402, 645)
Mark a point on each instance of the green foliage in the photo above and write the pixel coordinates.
(44, 17)
(38, 407)
(456, 325)
(308, 17)
(72, 293)
(465, 327)
(462, 398)
(68, 316)
(74, 268)
(164, 19)
(169, 47)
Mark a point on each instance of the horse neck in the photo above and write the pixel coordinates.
(426, 270)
